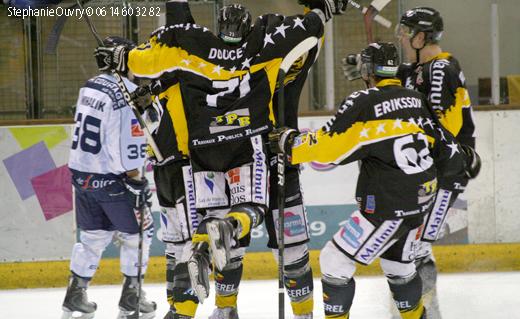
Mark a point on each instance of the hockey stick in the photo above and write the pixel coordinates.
(126, 93)
(370, 14)
(379, 19)
(286, 64)
(54, 36)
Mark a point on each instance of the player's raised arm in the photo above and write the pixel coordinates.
(150, 60)
(282, 34)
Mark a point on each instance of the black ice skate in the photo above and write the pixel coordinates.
(198, 269)
(128, 302)
(220, 233)
(224, 313)
(76, 302)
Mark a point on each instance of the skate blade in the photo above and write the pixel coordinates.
(67, 314)
(201, 291)
(125, 314)
(218, 248)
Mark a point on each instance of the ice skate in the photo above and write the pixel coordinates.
(76, 304)
(224, 313)
(198, 268)
(172, 315)
(220, 232)
(128, 302)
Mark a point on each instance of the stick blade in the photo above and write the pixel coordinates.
(379, 4)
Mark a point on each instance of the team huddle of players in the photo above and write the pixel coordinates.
(217, 97)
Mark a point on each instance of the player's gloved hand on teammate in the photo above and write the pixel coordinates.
(112, 58)
(329, 7)
(473, 162)
(281, 140)
(141, 195)
(142, 98)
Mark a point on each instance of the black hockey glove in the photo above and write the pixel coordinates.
(473, 162)
(281, 140)
(140, 194)
(112, 59)
(328, 7)
(142, 98)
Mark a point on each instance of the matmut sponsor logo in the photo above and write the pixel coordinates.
(439, 211)
(190, 192)
(378, 241)
(259, 171)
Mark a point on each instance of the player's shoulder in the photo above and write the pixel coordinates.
(444, 63)
(445, 66)
(358, 99)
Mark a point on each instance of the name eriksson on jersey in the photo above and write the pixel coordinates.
(397, 104)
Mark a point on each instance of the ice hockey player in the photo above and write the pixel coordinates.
(403, 150)
(108, 148)
(438, 75)
(229, 89)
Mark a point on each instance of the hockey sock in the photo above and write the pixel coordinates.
(184, 299)
(337, 298)
(407, 296)
(299, 285)
(226, 284)
(170, 278)
(427, 270)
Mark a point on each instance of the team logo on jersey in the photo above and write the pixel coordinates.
(234, 176)
(371, 204)
(230, 121)
(293, 224)
(208, 179)
(136, 129)
(352, 232)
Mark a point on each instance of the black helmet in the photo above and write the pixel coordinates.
(234, 23)
(423, 19)
(379, 59)
(113, 41)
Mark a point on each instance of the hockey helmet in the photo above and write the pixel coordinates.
(234, 23)
(113, 41)
(379, 59)
(421, 19)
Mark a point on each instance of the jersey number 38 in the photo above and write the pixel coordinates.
(87, 134)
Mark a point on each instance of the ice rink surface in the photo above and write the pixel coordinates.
(461, 296)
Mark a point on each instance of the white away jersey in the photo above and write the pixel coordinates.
(107, 136)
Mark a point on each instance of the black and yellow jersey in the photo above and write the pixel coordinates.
(226, 91)
(442, 81)
(400, 143)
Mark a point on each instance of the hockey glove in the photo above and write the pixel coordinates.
(140, 194)
(328, 7)
(112, 59)
(473, 162)
(281, 140)
(142, 98)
